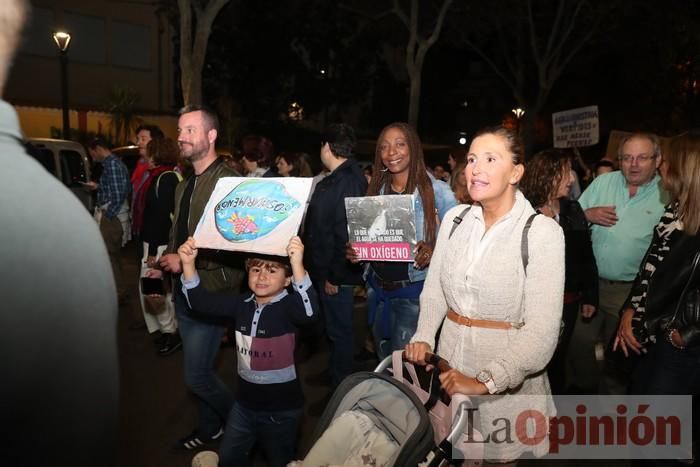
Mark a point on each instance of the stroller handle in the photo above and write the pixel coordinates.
(431, 358)
(437, 361)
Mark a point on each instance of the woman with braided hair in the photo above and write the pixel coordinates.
(394, 288)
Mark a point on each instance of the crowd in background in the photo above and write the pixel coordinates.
(530, 275)
(548, 211)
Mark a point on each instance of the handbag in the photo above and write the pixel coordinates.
(155, 304)
(686, 316)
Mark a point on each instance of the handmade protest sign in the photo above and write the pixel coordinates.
(256, 215)
(382, 228)
(576, 128)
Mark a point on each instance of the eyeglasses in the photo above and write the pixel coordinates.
(641, 159)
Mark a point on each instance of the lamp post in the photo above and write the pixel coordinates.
(62, 40)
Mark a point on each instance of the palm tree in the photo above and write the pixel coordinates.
(122, 107)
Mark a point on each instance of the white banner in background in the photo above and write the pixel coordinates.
(576, 128)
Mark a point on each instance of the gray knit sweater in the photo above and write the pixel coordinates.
(480, 275)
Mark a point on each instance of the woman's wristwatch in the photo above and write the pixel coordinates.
(486, 378)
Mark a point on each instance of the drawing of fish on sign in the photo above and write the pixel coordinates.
(242, 225)
(253, 209)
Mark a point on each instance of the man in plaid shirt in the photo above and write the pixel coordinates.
(112, 193)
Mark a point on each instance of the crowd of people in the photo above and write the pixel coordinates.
(545, 289)
(522, 286)
(525, 287)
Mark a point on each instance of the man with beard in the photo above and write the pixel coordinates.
(201, 335)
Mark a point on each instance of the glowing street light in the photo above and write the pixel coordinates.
(62, 40)
(518, 112)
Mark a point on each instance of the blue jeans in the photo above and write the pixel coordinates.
(403, 319)
(276, 431)
(337, 318)
(668, 370)
(200, 345)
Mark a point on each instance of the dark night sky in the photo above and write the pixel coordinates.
(629, 69)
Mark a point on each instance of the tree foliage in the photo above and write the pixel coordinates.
(122, 106)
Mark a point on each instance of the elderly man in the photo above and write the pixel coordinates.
(623, 208)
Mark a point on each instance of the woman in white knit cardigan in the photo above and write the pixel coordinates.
(499, 303)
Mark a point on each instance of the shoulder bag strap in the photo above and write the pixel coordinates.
(177, 174)
(458, 220)
(524, 251)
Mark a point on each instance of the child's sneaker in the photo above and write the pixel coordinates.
(194, 441)
(206, 459)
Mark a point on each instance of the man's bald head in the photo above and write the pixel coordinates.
(13, 14)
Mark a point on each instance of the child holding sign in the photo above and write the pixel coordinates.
(269, 400)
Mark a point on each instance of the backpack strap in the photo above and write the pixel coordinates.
(458, 220)
(524, 252)
(179, 178)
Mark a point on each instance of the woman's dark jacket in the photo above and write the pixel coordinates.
(581, 269)
(671, 278)
(157, 217)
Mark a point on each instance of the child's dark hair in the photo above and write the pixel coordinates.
(268, 262)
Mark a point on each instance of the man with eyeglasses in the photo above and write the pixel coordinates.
(622, 207)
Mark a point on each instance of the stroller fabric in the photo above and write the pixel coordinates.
(396, 415)
(352, 439)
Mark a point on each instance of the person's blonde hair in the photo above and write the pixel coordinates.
(683, 178)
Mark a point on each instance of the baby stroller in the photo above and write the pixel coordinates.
(397, 415)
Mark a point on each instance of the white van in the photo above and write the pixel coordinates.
(68, 161)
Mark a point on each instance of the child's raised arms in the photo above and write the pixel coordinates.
(188, 253)
(295, 250)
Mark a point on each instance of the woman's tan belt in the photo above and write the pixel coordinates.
(480, 323)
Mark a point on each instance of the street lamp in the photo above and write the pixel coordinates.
(62, 40)
(518, 112)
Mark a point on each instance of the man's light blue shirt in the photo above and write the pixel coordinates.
(619, 249)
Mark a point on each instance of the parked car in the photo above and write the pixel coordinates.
(67, 161)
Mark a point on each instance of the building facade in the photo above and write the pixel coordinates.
(120, 50)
